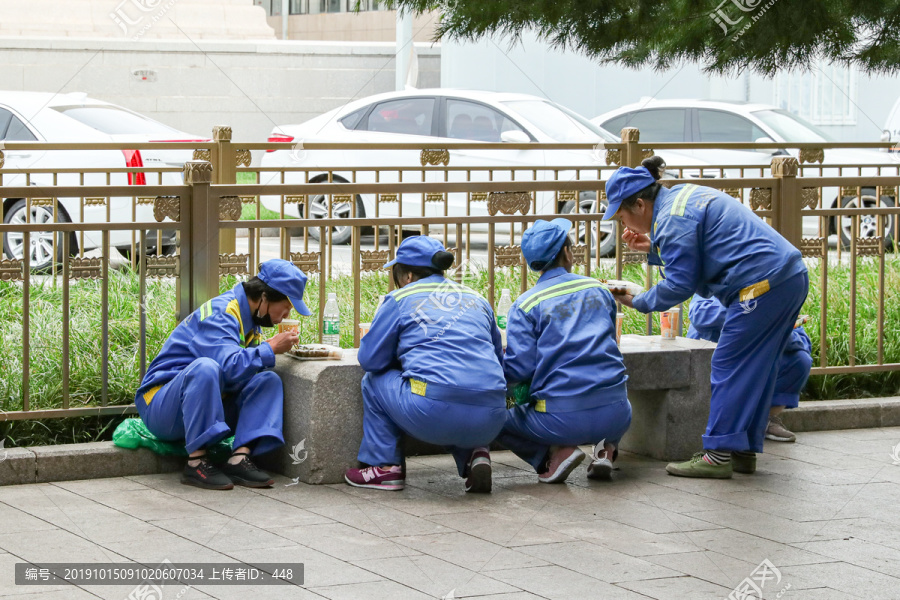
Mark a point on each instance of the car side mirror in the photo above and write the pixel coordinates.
(515, 136)
(766, 140)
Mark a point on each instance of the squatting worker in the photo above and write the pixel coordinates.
(433, 371)
(707, 317)
(561, 341)
(211, 379)
(707, 242)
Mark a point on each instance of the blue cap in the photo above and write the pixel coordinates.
(417, 251)
(625, 182)
(542, 241)
(283, 276)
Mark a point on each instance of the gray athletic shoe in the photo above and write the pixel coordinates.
(777, 432)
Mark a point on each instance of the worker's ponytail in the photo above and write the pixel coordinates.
(655, 165)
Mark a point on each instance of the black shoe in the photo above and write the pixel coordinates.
(247, 474)
(205, 475)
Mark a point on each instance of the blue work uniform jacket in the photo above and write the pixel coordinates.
(561, 336)
(444, 339)
(221, 329)
(707, 242)
(707, 317)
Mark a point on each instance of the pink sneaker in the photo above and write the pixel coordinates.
(562, 462)
(479, 479)
(378, 478)
(601, 466)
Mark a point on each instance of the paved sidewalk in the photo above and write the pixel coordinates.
(823, 512)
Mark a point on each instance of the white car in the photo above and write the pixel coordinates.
(438, 116)
(75, 118)
(726, 121)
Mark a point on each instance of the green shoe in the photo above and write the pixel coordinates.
(697, 467)
(742, 463)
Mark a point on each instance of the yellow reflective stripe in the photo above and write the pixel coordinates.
(754, 291)
(206, 310)
(540, 406)
(234, 309)
(148, 395)
(417, 387)
(434, 287)
(560, 289)
(681, 200)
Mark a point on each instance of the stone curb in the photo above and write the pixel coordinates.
(42, 464)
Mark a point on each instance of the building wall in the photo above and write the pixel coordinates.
(251, 86)
(590, 89)
(370, 26)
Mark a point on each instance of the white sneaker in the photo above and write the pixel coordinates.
(601, 466)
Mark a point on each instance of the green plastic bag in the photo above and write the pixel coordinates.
(133, 434)
(518, 395)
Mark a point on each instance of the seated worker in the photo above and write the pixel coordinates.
(561, 340)
(433, 371)
(707, 319)
(211, 380)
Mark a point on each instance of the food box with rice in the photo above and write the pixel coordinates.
(316, 352)
(619, 286)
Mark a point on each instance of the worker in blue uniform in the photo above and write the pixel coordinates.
(561, 342)
(433, 371)
(212, 379)
(706, 242)
(707, 316)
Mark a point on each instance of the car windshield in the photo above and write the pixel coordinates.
(115, 121)
(561, 124)
(790, 127)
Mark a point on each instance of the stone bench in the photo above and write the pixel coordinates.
(668, 388)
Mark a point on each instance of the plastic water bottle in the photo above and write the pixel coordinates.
(502, 312)
(331, 322)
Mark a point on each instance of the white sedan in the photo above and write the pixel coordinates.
(75, 118)
(436, 117)
(687, 121)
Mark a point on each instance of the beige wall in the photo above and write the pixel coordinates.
(371, 26)
(251, 86)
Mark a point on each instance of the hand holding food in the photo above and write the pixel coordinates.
(638, 242)
(283, 342)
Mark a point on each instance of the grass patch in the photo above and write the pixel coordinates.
(85, 380)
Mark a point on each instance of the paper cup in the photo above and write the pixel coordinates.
(620, 318)
(668, 321)
(289, 325)
(364, 329)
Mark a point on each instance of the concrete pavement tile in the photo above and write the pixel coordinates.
(509, 558)
(849, 579)
(150, 504)
(679, 587)
(861, 553)
(380, 590)
(13, 520)
(709, 566)
(412, 500)
(664, 497)
(258, 592)
(868, 529)
(319, 569)
(559, 494)
(598, 562)
(512, 596)
(505, 529)
(821, 593)
(642, 515)
(56, 545)
(345, 542)
(222, 533)
(749, 548)
(378, 520)
(90, 488)
(629, 540)
(782, 506)
(304, 495)
(555, 582)
(761, 524)
(267, 513)
(458, 548)
(8, 585)
(70, 593)
(158, 545)
(226, 502)
(435, 577)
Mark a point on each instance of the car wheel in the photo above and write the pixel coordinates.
(41, 242)
(868, 224)
(603, 233)
(318, 209)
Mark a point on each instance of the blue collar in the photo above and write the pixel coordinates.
(246, 315)
(554, 272)
(661, 196)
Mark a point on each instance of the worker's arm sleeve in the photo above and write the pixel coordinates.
(378, 349)
(680, 251)
(218, 338)
(520, 361)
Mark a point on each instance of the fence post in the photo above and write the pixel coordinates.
(224, 161)
(631, 136)
(203, 232)
(787, 218)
